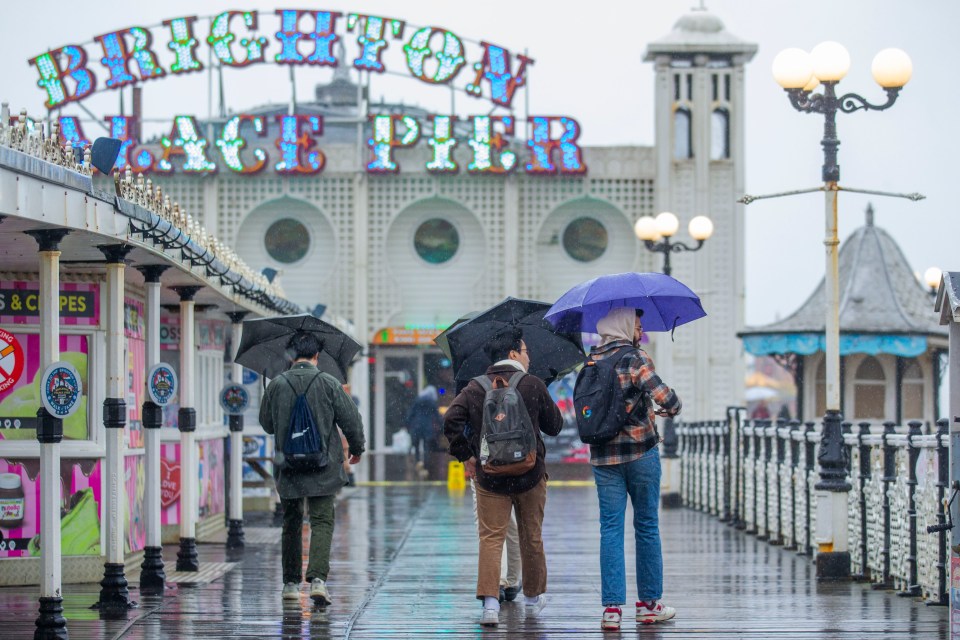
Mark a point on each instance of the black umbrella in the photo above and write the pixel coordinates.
(442, 341)
(263, 345)
(552, 353)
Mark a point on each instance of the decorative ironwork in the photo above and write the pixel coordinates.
(770, 476)
(666, 247)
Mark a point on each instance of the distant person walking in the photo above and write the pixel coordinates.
(629, 465)
(496, 422)
(329, 407)
(424, 423)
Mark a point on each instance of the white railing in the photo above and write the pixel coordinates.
(760, 476)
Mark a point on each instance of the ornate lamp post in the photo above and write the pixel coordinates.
(657, 232)
(799, 73)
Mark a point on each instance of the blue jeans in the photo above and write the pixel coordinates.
(640, 480)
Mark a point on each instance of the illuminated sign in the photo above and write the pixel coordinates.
(433, 55)
(404, 336)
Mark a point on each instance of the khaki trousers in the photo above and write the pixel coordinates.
(510, 563)
(493, 518)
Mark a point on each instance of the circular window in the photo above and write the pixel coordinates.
(585, 239)
(287, 240)
(436, 241)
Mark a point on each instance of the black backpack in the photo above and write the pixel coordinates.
(598, 400)
(508, 444)
(304, 450)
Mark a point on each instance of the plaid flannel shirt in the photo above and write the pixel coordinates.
(638, 378)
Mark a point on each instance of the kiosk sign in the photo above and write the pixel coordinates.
(162, 384)
(60, 389)
(234, 399)
(11, 360)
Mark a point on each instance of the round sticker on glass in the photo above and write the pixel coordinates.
(234, 399)
(60, 389)
(162, 383)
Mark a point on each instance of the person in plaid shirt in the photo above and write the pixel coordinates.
(629, 465)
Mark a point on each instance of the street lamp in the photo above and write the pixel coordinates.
(799, 73)
(932, 277)
(656, 234)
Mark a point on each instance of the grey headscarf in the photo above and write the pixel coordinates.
(617, 325)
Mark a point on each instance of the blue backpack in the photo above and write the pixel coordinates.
(303, 451)
(598, 400)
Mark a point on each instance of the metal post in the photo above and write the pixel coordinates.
(726, 511)
(187, 423)
(50, 621)
(943, 481)
(764, 449)
(235, 538)
(808, 456)
(833, 558)
(749, 457)
(114, 595)
(781, 445)
(795, 473)
(889, 477)
(666, 256)
(915, 430)
(864, 472)
(152, 575)
(670, 498)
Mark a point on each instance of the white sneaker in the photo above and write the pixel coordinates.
(534, 608)
(654, 611)
(291, 591)
(318, 591)
(490, 618)
(611, 619)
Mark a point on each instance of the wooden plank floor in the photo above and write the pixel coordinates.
(404, 566)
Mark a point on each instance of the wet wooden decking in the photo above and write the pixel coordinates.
(404, 566)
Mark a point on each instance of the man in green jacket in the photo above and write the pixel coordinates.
(331, 407)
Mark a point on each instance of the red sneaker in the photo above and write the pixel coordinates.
(653, 611)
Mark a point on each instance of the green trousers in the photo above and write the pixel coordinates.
(321, 536)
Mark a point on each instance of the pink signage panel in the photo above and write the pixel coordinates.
(19, 384)
(20, 507)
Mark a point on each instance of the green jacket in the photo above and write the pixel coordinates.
(331, 407)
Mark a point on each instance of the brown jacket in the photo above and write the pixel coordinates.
(462, 421)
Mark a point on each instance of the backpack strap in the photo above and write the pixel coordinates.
(304, 392)
(484, 383)
(515, 378)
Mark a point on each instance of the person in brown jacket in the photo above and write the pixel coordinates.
(497, 495)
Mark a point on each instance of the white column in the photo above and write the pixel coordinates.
(152, 574)
(50, 621)
(187, 423)
(360, 376)
(113, 592)
(50, 558)
(235, 508)
(115, 391)
(151, 496)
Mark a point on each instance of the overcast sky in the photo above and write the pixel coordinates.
(589, 66)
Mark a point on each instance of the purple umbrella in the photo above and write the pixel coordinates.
(666, 302)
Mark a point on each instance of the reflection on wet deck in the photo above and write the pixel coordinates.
(404, 565)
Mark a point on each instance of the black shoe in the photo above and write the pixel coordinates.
(510, 593)
(503, 594)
